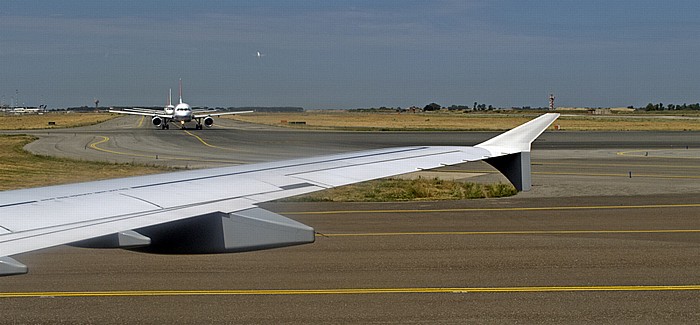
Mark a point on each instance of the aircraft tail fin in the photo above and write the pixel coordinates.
(510, 151)
(180, 90)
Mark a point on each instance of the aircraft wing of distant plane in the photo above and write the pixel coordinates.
(215, 210)
(204, 114)
(159, 113)
(146, 112)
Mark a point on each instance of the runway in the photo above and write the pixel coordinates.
(608, 234)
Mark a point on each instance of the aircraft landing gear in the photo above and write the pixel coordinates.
(165, 126)
(198, 126)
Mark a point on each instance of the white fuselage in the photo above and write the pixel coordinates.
(182, 113)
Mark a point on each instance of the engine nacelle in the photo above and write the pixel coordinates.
(208, 121)
(157, 121)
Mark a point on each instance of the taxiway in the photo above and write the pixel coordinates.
(608, 234)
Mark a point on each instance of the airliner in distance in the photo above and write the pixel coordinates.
(180, 114)
(168, 109)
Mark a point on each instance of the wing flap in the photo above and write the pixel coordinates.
(68, 210)
(29, 240)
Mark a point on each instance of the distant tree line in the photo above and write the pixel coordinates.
(476, 107)
(671, 107)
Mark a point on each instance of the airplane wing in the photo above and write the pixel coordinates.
(215, 210)
(196, 115)
(144, 110)
(142, 113)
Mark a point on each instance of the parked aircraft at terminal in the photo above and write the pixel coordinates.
(216, 210)
(180, 114)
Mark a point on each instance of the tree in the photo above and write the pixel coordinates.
(432, 107)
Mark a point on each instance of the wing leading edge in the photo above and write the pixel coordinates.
(221, 214)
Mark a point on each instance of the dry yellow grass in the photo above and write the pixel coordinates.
(61, 120)
(349, 120)
(420, 189)
(20, 169)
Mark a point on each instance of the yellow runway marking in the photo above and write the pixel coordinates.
(537, 163)
(559, 208)
(206, 143)
(94, 145)
(626, 175)
(355, 291)
(141, 121)
(200, 140)
(519, 232)
(634, 175)
(637, 153)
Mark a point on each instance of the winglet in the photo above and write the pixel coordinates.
(520, 138)
(510, 151)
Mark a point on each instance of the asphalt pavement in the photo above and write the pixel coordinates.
(609, 234)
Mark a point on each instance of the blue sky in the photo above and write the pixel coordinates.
(349, 54)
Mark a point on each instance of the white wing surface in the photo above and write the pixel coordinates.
(160, 114)
(215, 210)
(204, 114)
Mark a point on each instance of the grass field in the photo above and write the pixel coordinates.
(420, 189)
(452, 121)
(20, 169)
(60, 120)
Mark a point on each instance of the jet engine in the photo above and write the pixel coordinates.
(208, 121)
(157, 121)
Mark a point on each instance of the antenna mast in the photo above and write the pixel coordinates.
(551, 102)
